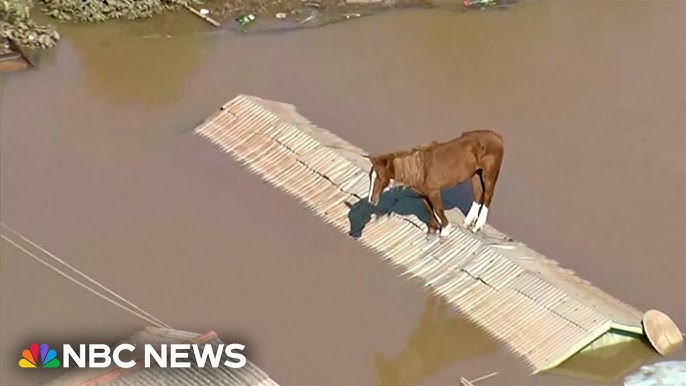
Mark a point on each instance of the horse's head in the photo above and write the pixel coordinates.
(380, 176)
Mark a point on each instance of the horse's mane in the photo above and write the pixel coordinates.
(409, 164)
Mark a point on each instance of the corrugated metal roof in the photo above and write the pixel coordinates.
(248, 375)
(539, 310)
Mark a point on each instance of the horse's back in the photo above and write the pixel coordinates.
(483, 133)
(486, 140)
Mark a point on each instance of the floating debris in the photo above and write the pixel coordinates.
(245, 20)
(362, 1)
(203, 14)
(663, 334)
(304, 13)
(465, 382)
(483, 4)
(672, 373)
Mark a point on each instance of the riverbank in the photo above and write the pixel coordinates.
(18, 21)
(29, 23)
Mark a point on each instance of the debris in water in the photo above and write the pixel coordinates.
(203, 14)
(663, 334)
(465, 382)
(304, 13)
(672, 373)
(245, 20)
(483, 4)
(12, 57)
(311, 17)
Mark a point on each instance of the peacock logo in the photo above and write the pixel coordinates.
(48, 357)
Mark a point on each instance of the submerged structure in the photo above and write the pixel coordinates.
(248, 375)
(12, 57)
(540, 311)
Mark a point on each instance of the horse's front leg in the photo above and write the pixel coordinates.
(433, 223)
(437, 203)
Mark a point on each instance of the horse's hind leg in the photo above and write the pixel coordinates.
(478, 193)
(490, 178)
(433, 223)
(437, 204)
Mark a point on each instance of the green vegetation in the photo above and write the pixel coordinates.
(102, 10)
(16, 22)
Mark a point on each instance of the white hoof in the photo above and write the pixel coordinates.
(431, 236)
(472, 215)
(446, 230)
(481, 220)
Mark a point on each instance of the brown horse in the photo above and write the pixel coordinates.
(430, 168)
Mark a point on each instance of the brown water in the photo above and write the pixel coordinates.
(99, 167)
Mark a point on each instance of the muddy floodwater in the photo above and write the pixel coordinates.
(98, 165)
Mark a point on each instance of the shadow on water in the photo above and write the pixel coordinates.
(439, 340)
(403, 201)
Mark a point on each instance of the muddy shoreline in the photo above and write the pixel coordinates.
(18, 18)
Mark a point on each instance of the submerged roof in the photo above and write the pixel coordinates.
(248, 375)
(542, 312)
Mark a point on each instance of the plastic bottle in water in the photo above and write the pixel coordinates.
(246, 19)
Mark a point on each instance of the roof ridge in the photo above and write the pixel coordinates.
(537, 288)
